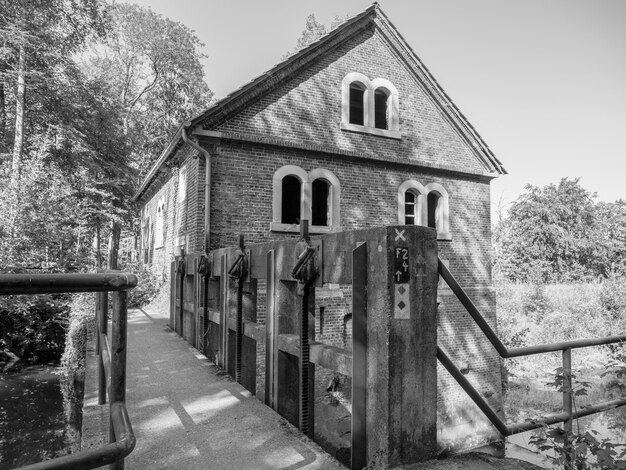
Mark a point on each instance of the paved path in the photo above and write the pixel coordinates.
(188, 414)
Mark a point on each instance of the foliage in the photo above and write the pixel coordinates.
(314, 30)
(82, 318)
(577, 449)
(33, 327)
(148, 285)
(89, 94)
(558, 234)
(152, 67)
(535, 314)
(613, 297)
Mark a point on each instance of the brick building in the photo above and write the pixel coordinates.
(350, 132)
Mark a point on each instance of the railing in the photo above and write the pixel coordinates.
(565, 347)
(111, 362)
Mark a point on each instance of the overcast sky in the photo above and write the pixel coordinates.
(542, 81)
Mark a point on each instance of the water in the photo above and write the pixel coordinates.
(39, 417)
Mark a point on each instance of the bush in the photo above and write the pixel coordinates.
(613, 296)
(33, 327)
(82, 318)
(148, 285)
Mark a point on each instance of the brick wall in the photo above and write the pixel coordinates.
(305, 112)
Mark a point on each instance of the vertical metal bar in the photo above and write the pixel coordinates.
(303, 362)
(224, 314)
(118, 358)
(567, 404)
(205, 323)
(181, 313)
(270, 332)
(102, 308)
(239, 327)
(303, 359)
(359, 357)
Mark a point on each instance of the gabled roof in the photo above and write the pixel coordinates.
(242, 97)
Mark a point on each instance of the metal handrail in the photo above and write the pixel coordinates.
(111, 360)
(566, 347)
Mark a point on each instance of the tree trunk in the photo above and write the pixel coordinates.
(97, 243)
(114, 244)
(18, 144)
(3, 119)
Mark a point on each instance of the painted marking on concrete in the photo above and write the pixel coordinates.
(401, 302)
(401, 271)
(400, 235)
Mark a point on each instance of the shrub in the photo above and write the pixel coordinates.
(33, 327)
(613, 296)
(82, 318)
(148, 285)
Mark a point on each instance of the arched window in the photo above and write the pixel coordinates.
(381, 108)
(312, 196)
(370, 106)
(357, 103)
(320, 192)
(433, 205)
(437, 210)
(159, 232)
(410, 204)
(424, 205)
(291, 200)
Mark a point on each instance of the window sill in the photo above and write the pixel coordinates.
(346, 126)
(295, 228)
(444, 236)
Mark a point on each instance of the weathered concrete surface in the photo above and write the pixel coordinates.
(187, 414)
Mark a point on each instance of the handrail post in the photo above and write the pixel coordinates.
(102, 307)
(118, 359)
(567, 404)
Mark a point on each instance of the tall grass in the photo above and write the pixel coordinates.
(537, 314)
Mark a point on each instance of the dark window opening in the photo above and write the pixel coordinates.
(409, 208)
(321, 320)
(319, 206)
(380, 109)
(433, 203)
(292, 190)
(357, 94)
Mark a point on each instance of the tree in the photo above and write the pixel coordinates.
(39, 36)
(313, 30)
(66, 132)
(152, 65)
(550, 235)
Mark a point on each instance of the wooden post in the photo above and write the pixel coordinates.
(102, 307)
(118, 359)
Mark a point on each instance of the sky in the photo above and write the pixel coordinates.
(542, 81)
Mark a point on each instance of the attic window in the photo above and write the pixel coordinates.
(369, 106)
(357, 95)
(381, 108)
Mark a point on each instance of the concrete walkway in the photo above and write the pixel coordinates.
(188, 414)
